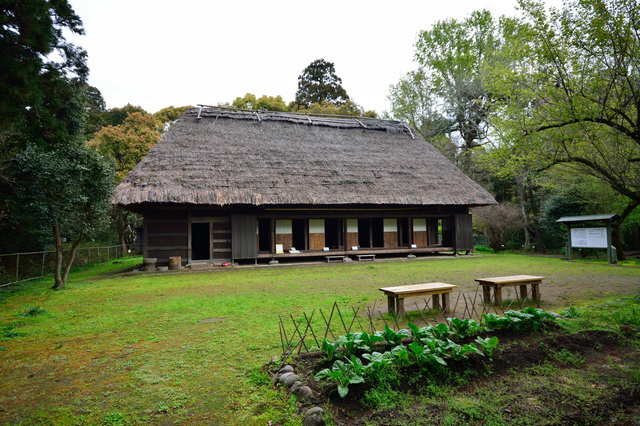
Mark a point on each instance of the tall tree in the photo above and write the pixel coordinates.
(414, 100)
(65, 190)
(31, 33)
(573, 97)
(318, 83)
(97, 114)
(51, 178)
(452, 55)
(38, 102)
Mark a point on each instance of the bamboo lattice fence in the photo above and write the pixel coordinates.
(305, 333)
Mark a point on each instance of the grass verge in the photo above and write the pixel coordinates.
(187, 348)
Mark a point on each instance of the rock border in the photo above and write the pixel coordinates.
(287, 377)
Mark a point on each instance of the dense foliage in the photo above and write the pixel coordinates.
(319, 83)
(52, 185)
(541, 103)
(567, 85)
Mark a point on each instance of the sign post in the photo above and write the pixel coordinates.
(585, 235)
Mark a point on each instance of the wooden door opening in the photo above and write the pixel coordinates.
(364, 233)
(200, 241)
(264, 235)
(333, 234)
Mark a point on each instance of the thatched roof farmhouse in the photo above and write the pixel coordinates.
(231, 185)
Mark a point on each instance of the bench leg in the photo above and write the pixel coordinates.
(436, 302)
(535, 288)
(401, 312)
(486, 294)
(498, 295)
(523, 292)
(391, 305)
(445, 302)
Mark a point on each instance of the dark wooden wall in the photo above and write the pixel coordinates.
(464, 232)
(166, 234)
(243, 232)
(233, 230)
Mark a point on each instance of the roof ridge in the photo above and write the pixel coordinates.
(304, 118)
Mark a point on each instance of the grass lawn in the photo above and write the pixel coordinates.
(188, 347)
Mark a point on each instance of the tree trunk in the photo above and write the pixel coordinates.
(122, 229)
(536, 221)
(59, 284)
(523, 211)
(616, 240)
(59, 276)
(72, 256)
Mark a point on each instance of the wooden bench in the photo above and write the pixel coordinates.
(396, 295)
(335, 258)
(512, 281)
(362, 257)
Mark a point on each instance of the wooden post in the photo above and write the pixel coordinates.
(400, 306)
(610, 256)
(569, 250)
(445, 302)
(436, 302)
(535, 289)
(273, 235)
(391, 304)
(497, 294)
(486, 294)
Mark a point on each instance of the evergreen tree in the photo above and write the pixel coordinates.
(318, 83)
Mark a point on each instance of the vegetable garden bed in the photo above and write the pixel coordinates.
(405, 377)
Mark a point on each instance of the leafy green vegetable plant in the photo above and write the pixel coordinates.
(368, 340)
(350, 343)
(495, 322)
(401, 356)
(423, 357)
(418, 334)
(356, 365)
(488, 345)
(329, 350)
(538, 314)
(464, 328)
(437, 347)
(439, 331)
(391, 337)
(378, 363)
(341, 373)
(528, 318)
(458, 352)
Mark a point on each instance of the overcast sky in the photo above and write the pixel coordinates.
(157, 53)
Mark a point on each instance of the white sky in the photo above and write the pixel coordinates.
(157, 53)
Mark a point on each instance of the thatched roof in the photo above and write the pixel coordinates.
(215, 156)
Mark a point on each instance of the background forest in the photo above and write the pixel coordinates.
(541, 110)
